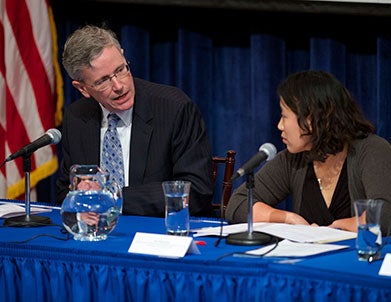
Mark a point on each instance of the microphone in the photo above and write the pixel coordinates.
(52, 136)
(266, 152)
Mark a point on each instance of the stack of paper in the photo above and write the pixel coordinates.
(288, 248)
(300, 240)
(293, 232)
(12, 210)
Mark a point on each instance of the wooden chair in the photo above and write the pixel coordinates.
(229, 162)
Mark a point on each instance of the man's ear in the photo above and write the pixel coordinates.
(82, 88)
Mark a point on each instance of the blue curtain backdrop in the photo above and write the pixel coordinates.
(230, 62)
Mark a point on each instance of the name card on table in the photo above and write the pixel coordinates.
(385, 269)
(168, 246)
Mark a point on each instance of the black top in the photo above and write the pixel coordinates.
(313, 207)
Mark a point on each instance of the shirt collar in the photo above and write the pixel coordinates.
(125, 116)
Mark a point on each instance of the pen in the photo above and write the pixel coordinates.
(209, 221)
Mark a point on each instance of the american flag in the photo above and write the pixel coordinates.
(31, 95)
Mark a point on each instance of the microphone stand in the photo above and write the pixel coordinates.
(249, 237)
(27, 220)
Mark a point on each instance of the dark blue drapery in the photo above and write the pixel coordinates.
(230, 62)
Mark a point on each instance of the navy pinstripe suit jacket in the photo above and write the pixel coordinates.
(168, 141)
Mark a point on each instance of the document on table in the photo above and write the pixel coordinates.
(8, 210)
(287, 248)
(385, 269)
(293, 232)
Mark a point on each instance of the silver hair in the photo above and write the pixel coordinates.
(83, 46)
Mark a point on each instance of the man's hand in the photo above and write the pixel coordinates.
(87, 185)
(90, 218)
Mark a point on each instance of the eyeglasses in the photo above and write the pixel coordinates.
(105, 82)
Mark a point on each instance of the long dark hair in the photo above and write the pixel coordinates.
(335, 117)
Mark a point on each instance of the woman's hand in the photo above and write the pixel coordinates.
(293, 218)
(347, 224)
(265, 213)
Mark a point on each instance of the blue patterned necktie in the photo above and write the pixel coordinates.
(112, 159)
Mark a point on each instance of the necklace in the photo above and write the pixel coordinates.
(327, 173)
(320, 183)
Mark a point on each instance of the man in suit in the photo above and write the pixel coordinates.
(161, 131)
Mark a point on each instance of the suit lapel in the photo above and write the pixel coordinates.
(141, 136)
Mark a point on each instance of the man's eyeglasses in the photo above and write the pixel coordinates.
(105, 82)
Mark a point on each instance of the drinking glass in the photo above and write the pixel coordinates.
(369, 236)
(176, 195)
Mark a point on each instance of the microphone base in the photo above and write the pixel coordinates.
(246, 238)
(27, 221)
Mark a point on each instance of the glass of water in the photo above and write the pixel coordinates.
(177, 218)
(369, 236)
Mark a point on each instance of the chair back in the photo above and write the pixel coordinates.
(228, 164)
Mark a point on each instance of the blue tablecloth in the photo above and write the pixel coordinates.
(49, 269)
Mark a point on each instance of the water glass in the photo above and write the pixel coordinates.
(177, 218)
(369, 236)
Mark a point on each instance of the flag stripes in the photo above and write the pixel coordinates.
(30, 90)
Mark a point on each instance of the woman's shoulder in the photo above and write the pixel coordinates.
(373, 145)
(371, 141)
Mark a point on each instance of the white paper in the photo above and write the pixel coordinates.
(385, 269)
(163, 245)
(306, 233)
(293, 232)
(12, 210)
(215, 231)
(287, 248)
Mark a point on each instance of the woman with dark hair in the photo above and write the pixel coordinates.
(332, 158)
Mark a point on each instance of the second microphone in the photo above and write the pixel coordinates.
(266, 152)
